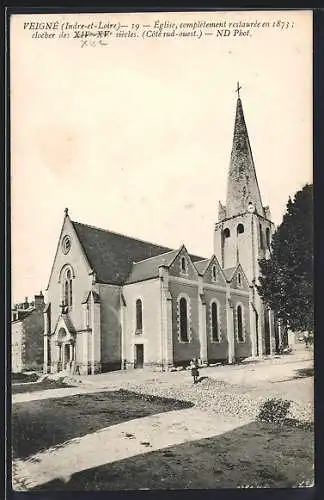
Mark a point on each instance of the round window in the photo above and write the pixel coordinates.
(66, 244)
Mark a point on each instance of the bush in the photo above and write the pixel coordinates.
(274, 411)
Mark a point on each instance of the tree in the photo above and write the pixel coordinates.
(286, 279)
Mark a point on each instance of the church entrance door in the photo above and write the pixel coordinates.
(267, 339)
(66, 358)
(139, 356)
(257, 332)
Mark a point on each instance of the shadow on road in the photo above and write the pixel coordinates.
(252, 455)
(304, 372)
(41, 424)
(200, 379)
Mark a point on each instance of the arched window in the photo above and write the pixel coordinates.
(183, 265)
(214, 273)
(239, 324)
(88, 315)
(67, 288)
(66, 293)
(268, 237)
(239, 279)
(226, 233)
(240, 229)
(183, 320)
(261, 237)
(139, 316)
(214, 322)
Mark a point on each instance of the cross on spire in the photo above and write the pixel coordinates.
(238, 88)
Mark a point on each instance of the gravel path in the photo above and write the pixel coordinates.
(234, 390)
(221, 398)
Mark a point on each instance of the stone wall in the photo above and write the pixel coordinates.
(216, 351)
(28, 343)
(149, 292)
(110, 327)
(184, 351)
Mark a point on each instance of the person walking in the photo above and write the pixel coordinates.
(306, 339)
(194, 370)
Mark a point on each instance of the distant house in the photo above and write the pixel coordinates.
(27, 329)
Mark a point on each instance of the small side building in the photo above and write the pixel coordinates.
(27, 327)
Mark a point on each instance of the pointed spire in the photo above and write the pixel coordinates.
(242, 184)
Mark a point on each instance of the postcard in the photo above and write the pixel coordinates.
(161, 229)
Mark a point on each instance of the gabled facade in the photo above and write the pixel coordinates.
(115, 302)
(171, 307)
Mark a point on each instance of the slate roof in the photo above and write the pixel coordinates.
(23, 314)
(149, 268)
(111, 255)
(201, 265)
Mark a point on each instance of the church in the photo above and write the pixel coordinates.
(115, 302)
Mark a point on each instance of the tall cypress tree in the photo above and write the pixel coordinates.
(286, 279)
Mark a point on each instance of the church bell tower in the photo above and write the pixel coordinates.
(244, 229)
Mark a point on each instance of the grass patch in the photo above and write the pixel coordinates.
(44, 385)
(38, 425)
(304, 372)
(24, 377)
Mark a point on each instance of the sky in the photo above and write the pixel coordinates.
(136, 137)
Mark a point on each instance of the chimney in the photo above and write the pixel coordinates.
(39, 301)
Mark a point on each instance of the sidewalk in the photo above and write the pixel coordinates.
(270, 368)
(251, 375)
